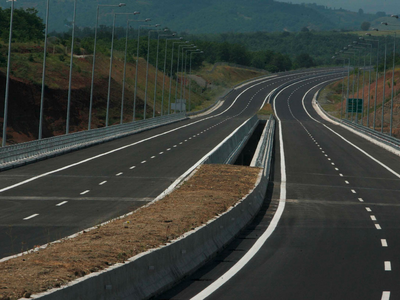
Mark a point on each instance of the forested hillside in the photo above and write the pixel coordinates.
(206, 16)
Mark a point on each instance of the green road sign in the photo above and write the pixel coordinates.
(354, 105)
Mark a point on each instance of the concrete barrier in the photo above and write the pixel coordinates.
(154, 271)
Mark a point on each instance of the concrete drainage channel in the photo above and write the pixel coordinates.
(152, 272)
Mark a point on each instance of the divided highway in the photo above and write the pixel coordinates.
(329, 228)
(51, 199)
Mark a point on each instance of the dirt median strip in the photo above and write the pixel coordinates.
(211, 191)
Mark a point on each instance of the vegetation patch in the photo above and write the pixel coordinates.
(211, 191)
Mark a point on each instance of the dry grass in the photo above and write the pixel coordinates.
(266, 110)
(211, 191)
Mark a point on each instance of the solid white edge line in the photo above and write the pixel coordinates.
(30, 217)
(133, 144)
(385, 295)
(61, 203)
(322, 115)
(263, 238)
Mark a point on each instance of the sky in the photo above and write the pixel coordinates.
(369, 6)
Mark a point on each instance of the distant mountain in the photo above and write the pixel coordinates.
(204, 16)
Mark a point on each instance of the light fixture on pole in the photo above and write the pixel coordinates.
(94, 59)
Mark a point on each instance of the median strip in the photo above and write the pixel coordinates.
(210, 192)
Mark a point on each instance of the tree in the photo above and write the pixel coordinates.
(304, 29)
(304, 60)
(360, 12)
(365, 26)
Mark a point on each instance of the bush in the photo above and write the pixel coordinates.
(61, 57)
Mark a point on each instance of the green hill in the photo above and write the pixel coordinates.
(206, 16)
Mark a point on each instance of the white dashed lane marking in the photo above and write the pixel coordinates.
(30, 217)
(368, 209)
(378, 226)
(85, 192)
(119, 174)
(388, 266)
(101, 183)
(384, 243)
(373, 218)
(353, 191)
(61, 203)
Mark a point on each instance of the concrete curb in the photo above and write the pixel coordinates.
(149, 273)
(156, 270)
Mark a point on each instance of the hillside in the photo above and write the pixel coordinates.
(206, 16)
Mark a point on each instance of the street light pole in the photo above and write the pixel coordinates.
(190, 72)
(94, 59)
(44, 71)
(147, 70)
(125, 56)
(171, 74)
(183, 69)
(185, 74)
(8, 77)
(137, 68)
(165, 66)
(177, 70)
(70, 70)
(155, 84)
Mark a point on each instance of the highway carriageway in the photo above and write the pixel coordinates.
(51, 199)
(330, 226)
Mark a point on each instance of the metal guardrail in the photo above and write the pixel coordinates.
(264, 148)
(19, 154)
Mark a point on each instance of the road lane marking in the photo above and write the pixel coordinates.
(263, 238)
(353, 191)
(384, 243)
(143, 162)
(336, 169)
(85, 192)
(30, 217)
(61, 203)
(161, 153)
(360, 199)
(341, 175)
(347, 182)
(388, 266)
(373, 218)
(378, 226)
(368, 209)
(101, 183)
(385, 295)
(152, 157)
(131, 168)
(119, 174)
(169, 149)
(332, 164)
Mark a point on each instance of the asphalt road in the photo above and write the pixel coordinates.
(51, 199)
(337, 237)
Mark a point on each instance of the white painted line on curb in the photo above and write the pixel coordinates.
(385, 295)
(263, 238)
(388, 266)
(384, 243)
(85, 192)
(61, 203)
(30, 217)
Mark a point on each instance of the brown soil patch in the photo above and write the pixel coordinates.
(210, 192)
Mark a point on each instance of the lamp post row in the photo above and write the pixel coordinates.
(6, 102)
(346, 51)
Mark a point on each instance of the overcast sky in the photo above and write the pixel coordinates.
(370, 6)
